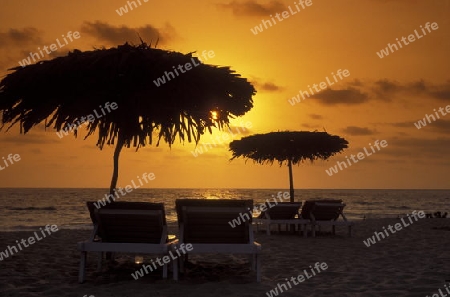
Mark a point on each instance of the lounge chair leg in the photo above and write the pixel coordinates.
(175, 264)
(82, 267)
(313, 227)
(334, 229)
(165, 271)
(303, 229)
(253, 261)
(258, 268)
(182, 261)
(291, 227)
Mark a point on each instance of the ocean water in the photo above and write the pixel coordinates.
(29, 209)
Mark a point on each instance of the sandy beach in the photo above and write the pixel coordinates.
(412, 262)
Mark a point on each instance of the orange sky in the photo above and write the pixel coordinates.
(381, 99)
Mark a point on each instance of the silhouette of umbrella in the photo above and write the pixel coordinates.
(292, 147)
(64, 90)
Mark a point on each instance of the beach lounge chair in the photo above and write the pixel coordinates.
(129, 227)
(325, 213)
(204, 223)
(286, 213)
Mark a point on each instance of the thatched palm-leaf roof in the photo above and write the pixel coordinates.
(289, 147)
(64, 90)
(296, 146)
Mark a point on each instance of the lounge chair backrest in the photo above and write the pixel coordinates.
(124, 219)
(322, 213)
(282, 211)
(183, 202)
(131, 226)
(127, 205)
(203, 224)
(327, 211)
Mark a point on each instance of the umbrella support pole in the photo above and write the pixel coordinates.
(291, 191)
(291, 182)
(115, 176)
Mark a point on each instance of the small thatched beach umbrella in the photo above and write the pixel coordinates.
(291, 147)
(118, 86)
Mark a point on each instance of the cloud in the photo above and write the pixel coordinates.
(419, 148)
(358, 131)
(441, 92)
(36, 151)
(385, 89)
(316, 116)
(21, 37)
(441, 126)
(409, 124)
(347, 96)
(308, 126)
(418, 87)
(118, 35)
(358, 91)
(253, 9)
(266, 86)
(36, 138)
(355, 83)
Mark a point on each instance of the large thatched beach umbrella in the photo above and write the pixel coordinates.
(290, 147)
(120, 90)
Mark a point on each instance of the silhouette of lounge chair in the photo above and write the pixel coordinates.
(325, 213)
(205, 224)
(282, 213)
(129, 227)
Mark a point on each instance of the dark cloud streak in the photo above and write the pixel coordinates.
(347, 96)
(20, 37)
(266, 86)
(253, 8)
(118, 35)
(358, 131)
